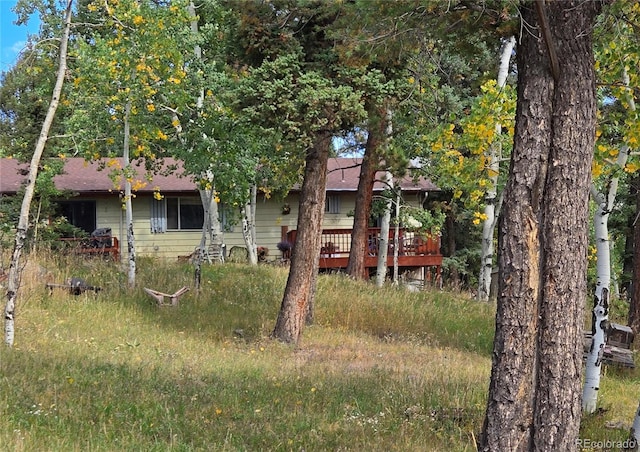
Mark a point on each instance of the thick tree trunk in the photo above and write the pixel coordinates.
(495, 154)
(22, 228)
(306, 252)
(634, 304)
(534, 394)
(376, 138)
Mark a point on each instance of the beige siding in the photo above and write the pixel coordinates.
(269, 224)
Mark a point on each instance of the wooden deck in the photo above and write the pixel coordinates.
(415, 253)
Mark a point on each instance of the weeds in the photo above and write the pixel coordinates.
(382, 369)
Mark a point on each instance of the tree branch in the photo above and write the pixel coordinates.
(546, 32)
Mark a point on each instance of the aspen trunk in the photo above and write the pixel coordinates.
(396, 238)
(600, 314)
(13, 281)
(249, 227)
(635, 428)
(495, 154)
(131, 244)
(383, 242)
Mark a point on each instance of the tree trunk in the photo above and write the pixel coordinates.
(306, 252)
(534, 394)
(249, 227)
(634, 304)
(376, 138)
(383, 240)
(13, 281)
(450, 226)
(495, 154)
(600, 313)
(396, 238)
(635, 429)
(131, 243)
(211, 229)
(600, 318)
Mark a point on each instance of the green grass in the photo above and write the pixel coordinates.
(381, 369)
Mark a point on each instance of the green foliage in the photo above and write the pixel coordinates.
(46, 227)
(130, 67)
(458, 152)
(25, 89)
(422, 221)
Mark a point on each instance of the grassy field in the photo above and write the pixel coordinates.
(381, 370)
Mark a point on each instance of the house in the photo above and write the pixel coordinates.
(171, 227)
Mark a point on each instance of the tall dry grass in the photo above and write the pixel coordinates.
(382, 369)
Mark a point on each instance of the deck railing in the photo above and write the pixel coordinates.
(93, 246)
(337, 243)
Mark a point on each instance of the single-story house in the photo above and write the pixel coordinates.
(171, 227)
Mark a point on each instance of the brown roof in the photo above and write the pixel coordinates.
(86, 177)
(343, 175)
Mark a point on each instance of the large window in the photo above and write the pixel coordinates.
(184, 213)
(177, 214)
(81, 214)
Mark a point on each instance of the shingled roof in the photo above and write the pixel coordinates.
(343, 175)
(85, 177)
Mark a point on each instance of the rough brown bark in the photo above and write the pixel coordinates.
(304, 258)
(377, 134)
(534, 394)
(634, 304)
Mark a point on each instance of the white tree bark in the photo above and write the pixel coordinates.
(396, 238)
(635, 428)
(600, 317)
(131, 243)
(211, 228)
(489, 225)
(211, 231)
(249, 227)
(13, 281)
(383, 240)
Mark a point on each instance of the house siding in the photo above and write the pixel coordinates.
(91, 184)
(270, 222)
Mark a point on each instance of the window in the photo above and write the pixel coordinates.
(176, 214)
(332, 204)
(81, 214)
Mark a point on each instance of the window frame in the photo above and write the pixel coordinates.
(162, 221)
(332, 203)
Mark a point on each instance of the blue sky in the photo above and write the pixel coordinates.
(12, 36)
